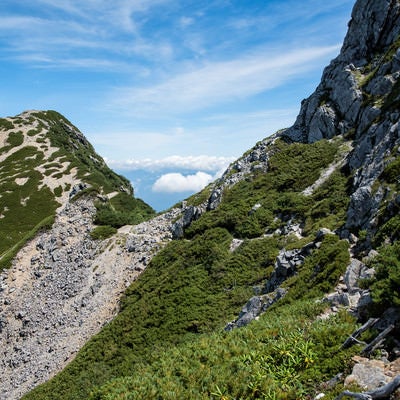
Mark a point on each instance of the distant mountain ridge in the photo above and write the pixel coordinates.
(53, 187)
(44, 161)
(277, 273)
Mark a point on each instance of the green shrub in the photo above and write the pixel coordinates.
(27, 206)
(321, 270)
(281, 356)
(102, 232)
(385, 287)
(388, 231)
(33, 132)
(58, 191)
(328, 205)
(15, 139)
(391, 172)
(122, 209)
(5, 124)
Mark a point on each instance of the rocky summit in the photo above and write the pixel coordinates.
(280, 280)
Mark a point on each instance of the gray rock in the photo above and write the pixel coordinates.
(322, 233)
(339, 106)
(364, 302)
(255, 208)
(255, 307)
(235, 244)
(190, 214)
(354, 272)
(368, 374)
(76, 189)
(286, 265)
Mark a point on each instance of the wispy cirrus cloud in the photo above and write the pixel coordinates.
(219, 82)
(74, 31)
(206, 138)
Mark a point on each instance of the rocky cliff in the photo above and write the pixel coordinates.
(358, 98)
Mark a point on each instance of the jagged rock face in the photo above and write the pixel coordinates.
(374, 26)
(358, 97)
(337, 104)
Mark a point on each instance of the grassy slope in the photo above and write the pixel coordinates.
(162, 342)
(28, 207)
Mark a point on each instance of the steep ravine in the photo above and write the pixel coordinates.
(63, 287)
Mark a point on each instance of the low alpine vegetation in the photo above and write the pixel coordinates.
(168, 341)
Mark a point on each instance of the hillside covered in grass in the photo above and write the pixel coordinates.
(45, 160)
(197, 284)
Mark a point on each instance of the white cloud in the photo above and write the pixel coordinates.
(91, 27)
(185, 21)
(176, 182)
(218, 82)
(203, 162)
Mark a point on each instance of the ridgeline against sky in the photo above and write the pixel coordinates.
(153, 79)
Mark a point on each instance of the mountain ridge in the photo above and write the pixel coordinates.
(54, 186)
(304, 224)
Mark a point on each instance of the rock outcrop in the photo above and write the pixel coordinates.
(358, 97)
(189, 214)
(252, 161)
(338, 104)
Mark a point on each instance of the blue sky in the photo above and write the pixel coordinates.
(165, 87)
